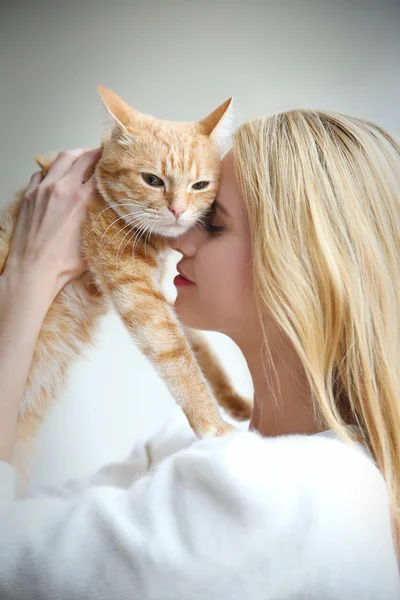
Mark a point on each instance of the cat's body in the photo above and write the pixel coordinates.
(124, 241)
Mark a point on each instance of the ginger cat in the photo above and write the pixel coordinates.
(150, 171)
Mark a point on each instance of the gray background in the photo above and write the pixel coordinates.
(176, 60)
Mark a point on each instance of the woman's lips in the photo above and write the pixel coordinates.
(181, 279)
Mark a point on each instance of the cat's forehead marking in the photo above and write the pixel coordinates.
(179, 158)
(176, 165)
(180, 154)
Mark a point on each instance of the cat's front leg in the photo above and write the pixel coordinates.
(157, 332)
(237, 405)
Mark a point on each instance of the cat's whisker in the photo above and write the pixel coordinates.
(128, 223)
(143, 229)
(200, 220)
(130, 230)
(137, 223)
(154, 226)
(134, 203)
(127, 233)
(104, 210)
(199, 224)
(132, 216)
(148, 210)
(116, 255)
(116, 235)
(142, 203)
(146, 229)
(104, 233)
(150, 231)
(136, 238)
(137, 229)
(152, 220)
(113, 206)
(133, 240)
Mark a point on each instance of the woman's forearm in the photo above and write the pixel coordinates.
(22, 309)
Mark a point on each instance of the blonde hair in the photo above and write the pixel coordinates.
(322, 199)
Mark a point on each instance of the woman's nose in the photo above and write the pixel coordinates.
(187, 243)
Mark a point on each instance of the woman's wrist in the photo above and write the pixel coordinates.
(24, 292)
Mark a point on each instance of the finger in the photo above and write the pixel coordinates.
(82, 164)
(33, 183)
(61, 165)
(90, 184)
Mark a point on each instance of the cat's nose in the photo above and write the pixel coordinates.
(177, 211)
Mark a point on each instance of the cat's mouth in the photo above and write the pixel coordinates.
(172, 230)
(149, 223)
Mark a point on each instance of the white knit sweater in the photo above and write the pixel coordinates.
(235, 518)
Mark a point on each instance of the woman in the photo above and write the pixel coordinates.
(299, 265)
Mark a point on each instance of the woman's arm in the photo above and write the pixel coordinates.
(22, 310)
(145, 456)
(44, 255)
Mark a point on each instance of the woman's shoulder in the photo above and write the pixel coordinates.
(322, 453)
(310, 494)
(318, 462)
(307, 476)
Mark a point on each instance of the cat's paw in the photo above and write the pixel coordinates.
(213, 428)
(225, 429)
(239, 407)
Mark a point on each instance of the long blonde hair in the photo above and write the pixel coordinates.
(322, 199)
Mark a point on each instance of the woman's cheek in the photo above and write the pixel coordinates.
(222, 288)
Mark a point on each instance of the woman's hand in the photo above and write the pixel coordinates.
(44, 256)
(45, 249)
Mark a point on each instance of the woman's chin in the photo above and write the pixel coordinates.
(188, 316)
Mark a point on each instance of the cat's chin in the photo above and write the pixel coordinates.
(172, 231)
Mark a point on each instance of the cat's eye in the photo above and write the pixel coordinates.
(152, 180)
(200, 185)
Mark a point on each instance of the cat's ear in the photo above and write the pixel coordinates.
(122, 114)
(219, 125)
(45, 161)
